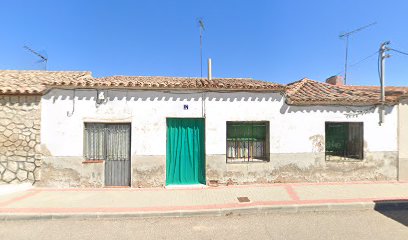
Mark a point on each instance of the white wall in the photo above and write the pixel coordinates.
(403, 140)
(290, 127)
(300, 123)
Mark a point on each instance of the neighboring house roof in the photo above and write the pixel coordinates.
(309, 92)
(392, 94)
(171, 83)
(34, 82)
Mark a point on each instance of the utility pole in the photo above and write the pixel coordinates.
(382, 57)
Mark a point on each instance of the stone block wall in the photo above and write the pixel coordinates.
(20, 158)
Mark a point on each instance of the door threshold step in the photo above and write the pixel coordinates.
(186, 186)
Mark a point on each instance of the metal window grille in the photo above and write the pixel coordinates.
(344, 141)
(247, 141)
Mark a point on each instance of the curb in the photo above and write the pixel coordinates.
(295, 208)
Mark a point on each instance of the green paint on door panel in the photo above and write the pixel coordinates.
(185, 157)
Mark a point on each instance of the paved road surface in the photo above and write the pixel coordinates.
(360, 225)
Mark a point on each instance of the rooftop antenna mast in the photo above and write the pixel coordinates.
(201, 26)
(43, 58)
(346, 36)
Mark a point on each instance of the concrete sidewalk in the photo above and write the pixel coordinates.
(47, 203)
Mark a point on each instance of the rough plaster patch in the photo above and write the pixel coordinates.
(376, 166)
(148, 171)
(318, 143)
(153, 177)
(71, 172)
(44, 150)
(64, 177)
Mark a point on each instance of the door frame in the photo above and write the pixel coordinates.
(113, 122)
(205, 147)
(129, 154)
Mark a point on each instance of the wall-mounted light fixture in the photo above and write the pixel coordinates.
(101, 96)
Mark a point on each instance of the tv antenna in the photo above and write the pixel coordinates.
(43, 58)
(202, 28)
(346, 36)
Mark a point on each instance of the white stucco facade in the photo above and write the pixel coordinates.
(294, 130)
(290, 126)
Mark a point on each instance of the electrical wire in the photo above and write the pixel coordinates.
(360, 61)
(391, 49)
(398, 51)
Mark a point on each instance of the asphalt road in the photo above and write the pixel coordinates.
(306, 225)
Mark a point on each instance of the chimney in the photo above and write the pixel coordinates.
(209, 70)
(335, 80)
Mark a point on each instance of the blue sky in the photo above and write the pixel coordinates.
(278, 41)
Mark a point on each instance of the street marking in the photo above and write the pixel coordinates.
(291, 192)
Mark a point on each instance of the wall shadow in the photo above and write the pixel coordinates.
(348, 110)
(397, 210)
(152, 95)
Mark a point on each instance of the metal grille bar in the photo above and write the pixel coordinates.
(246, 141)
(110, 142)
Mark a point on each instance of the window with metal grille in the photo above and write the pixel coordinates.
(247, 141)
(103, 141)
(344, 140)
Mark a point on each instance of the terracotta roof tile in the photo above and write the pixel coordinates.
(392, 94)
(35, 82)
(175, 83)
(309, 92)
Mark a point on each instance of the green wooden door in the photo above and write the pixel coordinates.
(185, 157)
